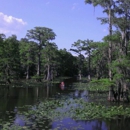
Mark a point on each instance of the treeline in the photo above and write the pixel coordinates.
(35, 56)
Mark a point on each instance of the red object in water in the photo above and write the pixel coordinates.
(62, 85)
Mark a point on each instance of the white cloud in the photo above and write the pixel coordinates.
(10, 24)
(74, 6)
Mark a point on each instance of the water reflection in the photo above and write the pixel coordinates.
(25, 96)
(119, 124)
(19, 120)
(13, 98)
(81, 94)
(71, 124)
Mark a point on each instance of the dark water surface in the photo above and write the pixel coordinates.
(11, 100)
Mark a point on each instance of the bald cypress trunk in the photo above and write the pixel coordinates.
(110, 96)
(27, 73)
(39, 65)
(48, 71)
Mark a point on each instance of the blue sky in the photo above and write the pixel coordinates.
(70, 19)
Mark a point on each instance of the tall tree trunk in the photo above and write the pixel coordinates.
(89, 69)
(39, 65)
(7, 71)
(27, 73)
(110, 96)
(80, 77)
(80, 70)
(126, 28)
(98, 72)
(52, 76)
(47, 93)
(122, 70)
(37, 92)
(110, 45)
(48, 71)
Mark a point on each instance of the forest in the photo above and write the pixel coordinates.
(35, 57)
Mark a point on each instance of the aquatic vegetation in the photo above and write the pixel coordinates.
(93, 87)
(56, 110)
(14, 127)
(101, 85)
(77, 109)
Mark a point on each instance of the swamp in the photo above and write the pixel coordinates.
(47, 107)
(85, 87)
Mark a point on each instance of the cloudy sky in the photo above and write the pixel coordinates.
(70, 19)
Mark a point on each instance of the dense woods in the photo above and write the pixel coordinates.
(34, 57)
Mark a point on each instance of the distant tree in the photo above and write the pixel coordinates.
(42, 36)
(49, 60)
(2, 55)
(9, 63)
(28, 51)
(99, 58)
(68, 64)
(77, 47)
(87, 47)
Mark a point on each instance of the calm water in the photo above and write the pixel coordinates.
(11, 100)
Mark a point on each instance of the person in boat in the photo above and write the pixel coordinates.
(62, 85)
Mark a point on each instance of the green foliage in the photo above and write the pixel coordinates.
(114, 38)
(118, 13)
(28, 55)
(120, 68)
(9, 62)
(102, 81)
(41, 34)
(101, 85)
(68, 64)
(77, 109)
(20, 59)
(36, 77)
